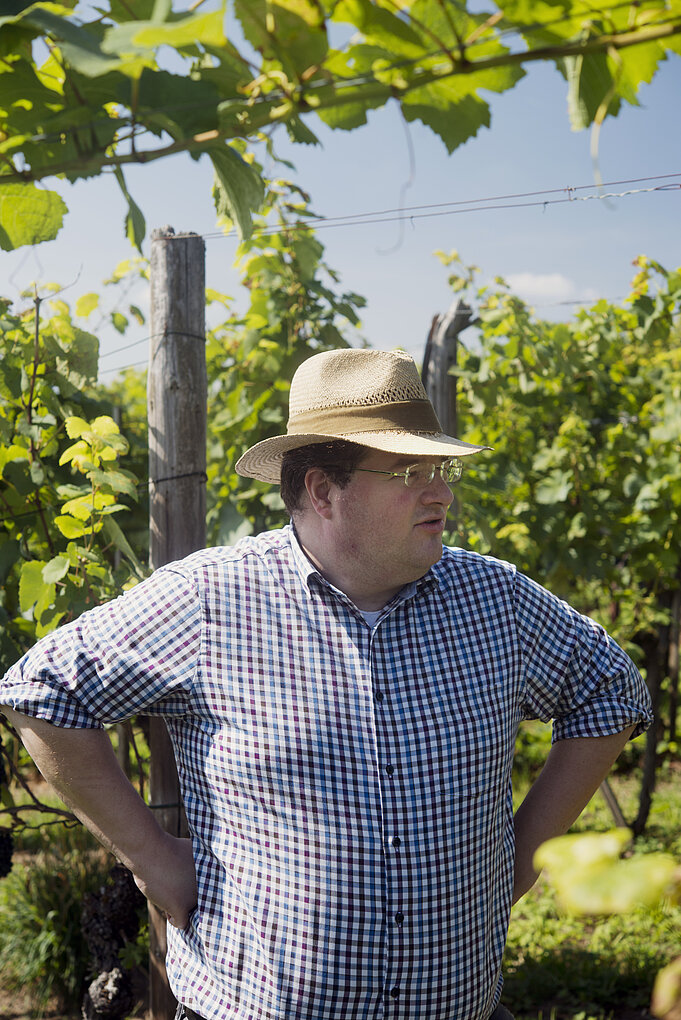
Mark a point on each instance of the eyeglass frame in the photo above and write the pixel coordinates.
(452, 463)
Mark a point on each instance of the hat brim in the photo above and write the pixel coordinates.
(263, 461)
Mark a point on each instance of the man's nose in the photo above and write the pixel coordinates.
(437, 491)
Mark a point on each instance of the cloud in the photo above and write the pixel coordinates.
(542, 287)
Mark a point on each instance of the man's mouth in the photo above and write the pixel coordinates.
(434, 524)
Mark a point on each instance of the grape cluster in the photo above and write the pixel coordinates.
(6, 850)
(6, 838)
(109, 919)
(109, 996)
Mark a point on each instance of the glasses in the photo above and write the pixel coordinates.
(417, 476)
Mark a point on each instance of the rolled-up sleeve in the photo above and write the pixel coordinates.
(136, 654)
(574, 673)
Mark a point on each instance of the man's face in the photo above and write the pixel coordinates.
(386, 533)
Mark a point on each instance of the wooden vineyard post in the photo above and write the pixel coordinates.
(440, 356)
(176, 407)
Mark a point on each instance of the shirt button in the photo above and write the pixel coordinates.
(395, 992)
(379, 695)
(396, 842)
(389, 769)
(399, 917)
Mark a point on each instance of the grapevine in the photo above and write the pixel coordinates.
(110, 919)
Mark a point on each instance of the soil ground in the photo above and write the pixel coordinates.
(16, 1005)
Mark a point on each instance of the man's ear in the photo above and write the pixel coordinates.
(318, 488)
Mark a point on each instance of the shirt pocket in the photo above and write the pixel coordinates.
(472, 740)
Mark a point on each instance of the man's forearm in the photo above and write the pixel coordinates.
(571, 775)
(81, 766)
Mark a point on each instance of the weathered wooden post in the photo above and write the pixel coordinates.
(439, 357)
(176, 407)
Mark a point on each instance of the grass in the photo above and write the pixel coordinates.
(41, 942)
(573, 968)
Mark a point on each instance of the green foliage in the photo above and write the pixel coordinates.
(583, 490)
(295, 310)
(532, 745)
(561, 967)
(61, 484)
(571, 967)
(590, 877)
(61, 547)
(41, 941)
(135, 81)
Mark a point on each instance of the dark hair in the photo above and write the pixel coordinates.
(338, 458)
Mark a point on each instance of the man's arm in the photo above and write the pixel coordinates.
(81, 766)
(573, 771)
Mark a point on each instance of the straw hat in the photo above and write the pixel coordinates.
(374, 398)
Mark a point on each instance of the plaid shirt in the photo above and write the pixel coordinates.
(347, 788)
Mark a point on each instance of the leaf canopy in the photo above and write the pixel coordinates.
(137, 81)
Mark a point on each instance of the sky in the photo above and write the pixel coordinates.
(553, 253)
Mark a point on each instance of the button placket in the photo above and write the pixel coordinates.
(389, 778)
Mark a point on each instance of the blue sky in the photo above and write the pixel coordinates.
(552, 255)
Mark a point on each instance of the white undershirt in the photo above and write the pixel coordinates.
(371, 618)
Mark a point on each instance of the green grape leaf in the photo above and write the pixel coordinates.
(590, 878)
(196, 28)
(289, 31)
(28, 215)
(19, 477)
(238, 189)
(589, 81)
(118, 481)
(31, 584)
(70, 527)
(135, 225)
(667, 991)
(115, 535)
(79, 46)
(119, 321)
(86, 304)
(455, 123)
(75, 427)
(581, 850)
(55, 569)
(177, 104)
(300, 132)
(10, 552)
(380, 26)
(554, 488)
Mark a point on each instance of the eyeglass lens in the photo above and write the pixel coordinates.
(423, 474)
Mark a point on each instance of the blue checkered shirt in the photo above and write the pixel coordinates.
(347, 787)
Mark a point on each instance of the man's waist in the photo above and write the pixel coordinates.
(184, 1013)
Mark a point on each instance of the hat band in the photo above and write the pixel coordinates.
(405, 415)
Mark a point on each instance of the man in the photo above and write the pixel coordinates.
(343, 697)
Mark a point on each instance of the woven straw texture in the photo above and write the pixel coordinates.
(374, 398)
(354, 378)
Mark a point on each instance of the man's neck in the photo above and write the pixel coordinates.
(366, 598)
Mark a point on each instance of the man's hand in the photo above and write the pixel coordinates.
(170, 880)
